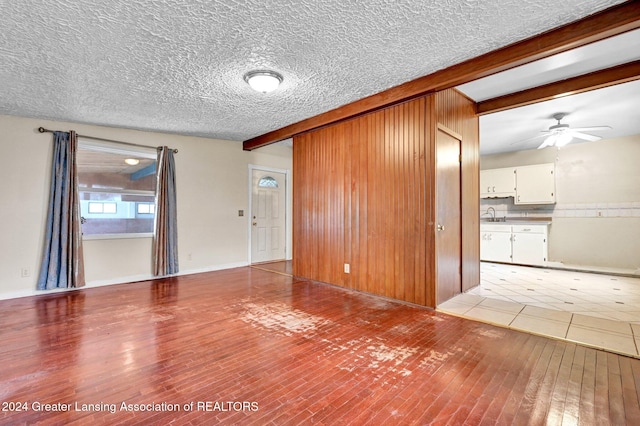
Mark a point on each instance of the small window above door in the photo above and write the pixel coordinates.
(267, 182)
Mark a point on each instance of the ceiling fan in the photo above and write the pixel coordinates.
(560, 135)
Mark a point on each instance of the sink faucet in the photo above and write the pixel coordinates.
(493, 217)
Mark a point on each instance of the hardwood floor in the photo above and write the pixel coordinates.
(248, 346)
(280, 266)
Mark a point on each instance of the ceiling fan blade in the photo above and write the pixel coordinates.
(591, 129)
(548, 141)
(529, 139)
(585, 136)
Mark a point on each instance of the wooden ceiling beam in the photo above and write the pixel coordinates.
(571, 86)
(612, 21)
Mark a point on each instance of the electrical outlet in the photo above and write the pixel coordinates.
(25, 272)
(346, 268)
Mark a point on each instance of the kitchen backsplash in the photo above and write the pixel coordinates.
(506, 207)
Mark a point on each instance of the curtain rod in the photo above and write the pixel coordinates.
(43, 130)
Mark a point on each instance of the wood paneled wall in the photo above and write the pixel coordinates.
(363, 194)
(319, 210)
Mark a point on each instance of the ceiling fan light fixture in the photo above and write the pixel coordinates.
(558, 139)
(563, 139)
(263, 80)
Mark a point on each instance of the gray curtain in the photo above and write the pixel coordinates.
(165, 243)
(62, 262)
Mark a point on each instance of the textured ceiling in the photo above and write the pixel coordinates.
(177, 66)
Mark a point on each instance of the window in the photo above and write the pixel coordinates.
(116, 185)
(102, 207)
(146, 208)
(267, 182)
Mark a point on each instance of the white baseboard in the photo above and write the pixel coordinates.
(594, 269)
(119, 280)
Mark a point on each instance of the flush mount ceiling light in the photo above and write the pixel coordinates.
(263, 81)
(132, 161)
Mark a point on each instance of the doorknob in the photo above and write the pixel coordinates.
(440, 227)
(255, 223)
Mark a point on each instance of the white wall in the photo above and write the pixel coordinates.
(212, 179)
(596, 218)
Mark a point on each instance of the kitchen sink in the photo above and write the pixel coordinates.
(495, 219)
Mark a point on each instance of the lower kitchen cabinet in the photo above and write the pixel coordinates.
(507, 243)
(495, 243)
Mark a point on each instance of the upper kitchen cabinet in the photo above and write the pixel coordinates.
(535, 184)
(497, 183)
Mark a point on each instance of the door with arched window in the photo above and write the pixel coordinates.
(268, 223)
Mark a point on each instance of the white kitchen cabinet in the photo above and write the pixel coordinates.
(497, 183)
(535, 184)
(524, 244)
(529, 244)
(495, 243)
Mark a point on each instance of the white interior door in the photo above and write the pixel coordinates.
(268, 222)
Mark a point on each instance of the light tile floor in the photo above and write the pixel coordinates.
(593, 309)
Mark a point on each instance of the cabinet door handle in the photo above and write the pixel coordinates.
(494, 189)
(488, 189)
(440, 227)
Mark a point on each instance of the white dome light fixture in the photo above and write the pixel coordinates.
(263, 81)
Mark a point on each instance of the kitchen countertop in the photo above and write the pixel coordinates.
(519, 221)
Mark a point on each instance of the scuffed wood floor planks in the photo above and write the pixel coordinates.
(248, 346)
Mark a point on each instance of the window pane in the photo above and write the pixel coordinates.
(114, 180)
(118, 216)
(100, 171)
(268, 182)
(146, 208)
(95, 208)
(110, 208)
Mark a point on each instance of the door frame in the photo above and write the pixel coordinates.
(287, 208)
